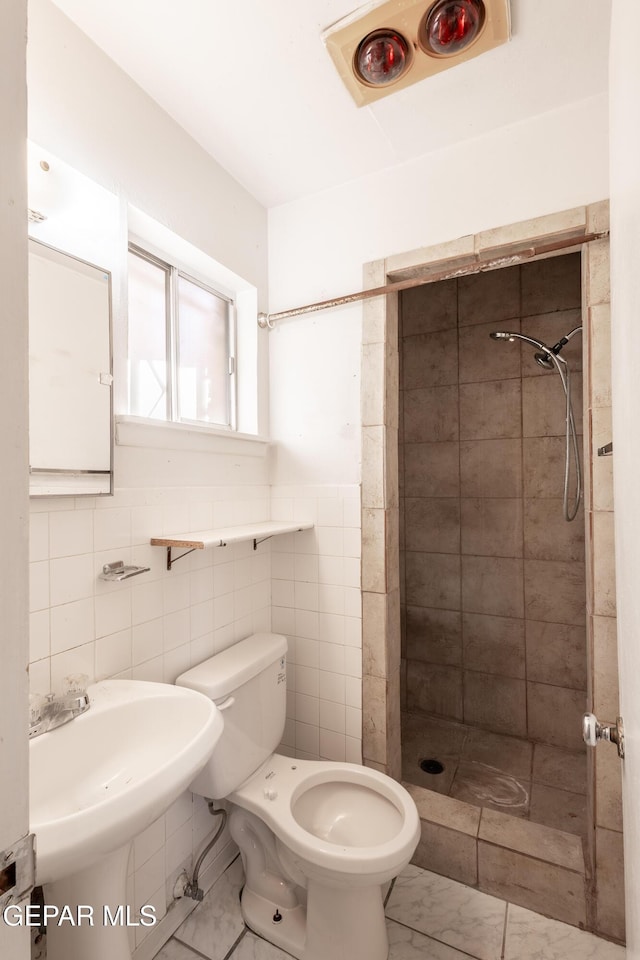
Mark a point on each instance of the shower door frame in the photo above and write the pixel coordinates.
(381, 517)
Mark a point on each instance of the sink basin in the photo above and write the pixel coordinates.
(99, 780)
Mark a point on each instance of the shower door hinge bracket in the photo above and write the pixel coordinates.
(594, 731)
(17, 871)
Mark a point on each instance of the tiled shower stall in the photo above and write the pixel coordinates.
(509, 611)
(492, 576)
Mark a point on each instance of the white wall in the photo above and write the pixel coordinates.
(317, 247)
(14, 814)
(625, 350)
(89, 113)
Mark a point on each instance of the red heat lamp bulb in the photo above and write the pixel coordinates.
(452, 25)
(381, 57)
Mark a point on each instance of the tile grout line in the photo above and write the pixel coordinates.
(241, 937)
(427, 936)
(193, 950)
(504, 932)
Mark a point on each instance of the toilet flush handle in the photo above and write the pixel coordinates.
(229, 702)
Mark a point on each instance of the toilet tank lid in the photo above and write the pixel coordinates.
(219, 676)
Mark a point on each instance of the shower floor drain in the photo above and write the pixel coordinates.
(431, 766)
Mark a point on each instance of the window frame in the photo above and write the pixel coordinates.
(172, 328)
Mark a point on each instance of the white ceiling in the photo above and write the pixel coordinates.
(252, 82)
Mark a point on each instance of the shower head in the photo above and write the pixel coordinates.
(510, 337)
(503, 335)
(545, 360)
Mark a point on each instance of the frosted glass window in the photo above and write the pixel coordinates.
(181, 337)
(203, 355)
(148, 296)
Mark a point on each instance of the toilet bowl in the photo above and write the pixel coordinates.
(319, 839)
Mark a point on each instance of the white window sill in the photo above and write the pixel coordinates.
(163, 435)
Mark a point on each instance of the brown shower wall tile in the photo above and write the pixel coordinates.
(433, 580)
(494, 645)
(372, 396)
(560, 809)
(431, 469)
(604, 570)
(555, 715)
(547, 536)
(554, 591)
(605, 667)
(491, 468)
(374, 559)
(602, 467)
(608, 773)
(431, 307)
(430, 359)
(525, 232)
(550, 328)
(552, 284)
(434, 689)
(491, 410)
(511, 755)
(610, 912)
(492, 585)
(491, 527)
(447, 852)
(495, 703)
(557, 654)
(481, 358)
(544, 406)
(543, 461)
(433, 636)
(563, 769)
(532, 840)
(490, 297)
(432, 524)
(598, 273)
(600, 323)
(431, 414)
(539, 886)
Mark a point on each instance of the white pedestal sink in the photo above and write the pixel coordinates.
(97, 782)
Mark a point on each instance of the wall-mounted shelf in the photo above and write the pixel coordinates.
(221, 536)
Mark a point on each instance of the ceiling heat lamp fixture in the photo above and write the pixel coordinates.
(397, 43)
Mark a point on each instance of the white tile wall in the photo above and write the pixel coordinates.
(151, 627)
(156, 625)
(316, 602)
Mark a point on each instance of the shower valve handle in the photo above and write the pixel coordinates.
(593, 731)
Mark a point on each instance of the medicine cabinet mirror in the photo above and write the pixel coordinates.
(70, 375)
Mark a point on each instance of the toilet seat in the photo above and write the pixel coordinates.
(362, 826)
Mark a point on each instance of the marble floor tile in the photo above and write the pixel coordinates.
(407, 944)
(174, 950)
(533, 937)
(448, 911)
(216, 924)
(252, 947)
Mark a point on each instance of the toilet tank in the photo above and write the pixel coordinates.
(248, 682)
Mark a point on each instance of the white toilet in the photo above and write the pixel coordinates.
(318, 838)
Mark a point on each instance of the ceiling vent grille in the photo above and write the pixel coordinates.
(395, 44)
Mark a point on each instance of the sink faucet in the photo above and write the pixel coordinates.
(53, 711)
